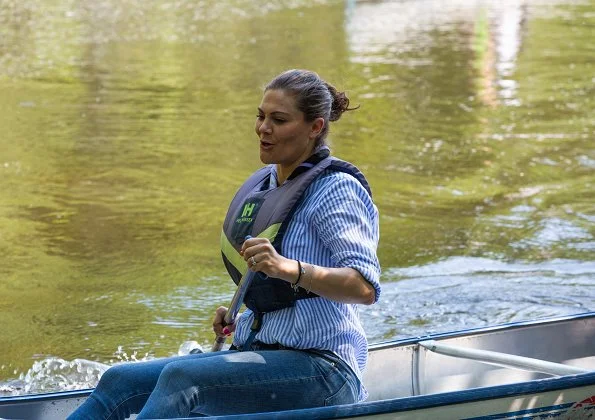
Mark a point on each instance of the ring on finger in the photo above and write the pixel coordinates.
(252, 261)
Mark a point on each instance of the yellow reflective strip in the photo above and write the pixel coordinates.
(234, 256)
(231, 254)
(271, 232)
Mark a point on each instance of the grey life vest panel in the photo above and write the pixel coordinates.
(257, 210)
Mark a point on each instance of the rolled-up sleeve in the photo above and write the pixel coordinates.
(346, 220)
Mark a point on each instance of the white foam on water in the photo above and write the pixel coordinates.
(55, 374)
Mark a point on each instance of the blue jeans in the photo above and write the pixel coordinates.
(220, 383)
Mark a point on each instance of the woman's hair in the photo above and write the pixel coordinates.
(313, 96)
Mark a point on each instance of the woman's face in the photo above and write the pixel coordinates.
(285, 137)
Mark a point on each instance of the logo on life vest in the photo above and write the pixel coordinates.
(248, 212)
(245, 217)
(248, 209)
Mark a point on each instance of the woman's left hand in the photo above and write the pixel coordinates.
(260, 255)
(341, 284)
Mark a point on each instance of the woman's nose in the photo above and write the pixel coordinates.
(264, 128)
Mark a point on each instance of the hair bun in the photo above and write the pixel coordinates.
(340, 103)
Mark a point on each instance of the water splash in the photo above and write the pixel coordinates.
(55, 374)
(122, 356)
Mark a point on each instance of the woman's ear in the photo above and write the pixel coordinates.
(316, 127)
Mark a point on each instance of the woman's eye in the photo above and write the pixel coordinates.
(261, 117)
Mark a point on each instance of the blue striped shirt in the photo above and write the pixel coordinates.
(336, 225)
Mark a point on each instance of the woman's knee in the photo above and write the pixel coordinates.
(116, 375)
(175, 373)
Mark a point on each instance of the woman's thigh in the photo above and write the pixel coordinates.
(141, 376)
(257, 381)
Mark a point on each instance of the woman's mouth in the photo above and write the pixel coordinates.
(265, 145)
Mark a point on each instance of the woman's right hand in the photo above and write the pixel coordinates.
(219, 326)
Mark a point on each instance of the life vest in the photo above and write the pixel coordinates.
(259, 211)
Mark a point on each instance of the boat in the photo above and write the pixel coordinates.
(537, 369)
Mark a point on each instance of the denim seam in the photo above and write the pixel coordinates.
(124, 401)
(345, 369)
(326, 400)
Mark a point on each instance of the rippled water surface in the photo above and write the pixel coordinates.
(126, 127)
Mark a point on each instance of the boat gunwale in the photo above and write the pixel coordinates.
(479, 330)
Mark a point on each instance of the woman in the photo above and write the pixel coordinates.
(314, 233)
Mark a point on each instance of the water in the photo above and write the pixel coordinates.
(126, 127)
